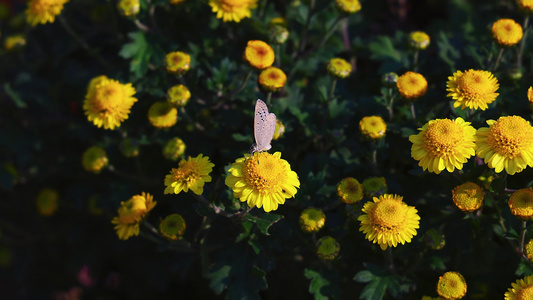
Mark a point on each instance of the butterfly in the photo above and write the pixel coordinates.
(264, 127)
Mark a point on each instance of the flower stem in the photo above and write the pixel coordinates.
(522, 43)
(497, 62)
(389, 107)
(306, 28)
(413, 114)
(215, 208)
(523, 236)
(243, 84)
(415, 61)
(269, 96)
(332, 90)
(190, 120)
(278, 61)
(389, 259)
(330, 31)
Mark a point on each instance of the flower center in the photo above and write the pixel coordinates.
(132, 210)
(265, 173)
(273, 76)
(441, 138)
(187, 171)
(525, 293)
(510, 136)
(474, 83)
(389, 213)
(108, 96)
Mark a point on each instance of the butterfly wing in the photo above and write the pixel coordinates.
(267, 133)
(261, 114)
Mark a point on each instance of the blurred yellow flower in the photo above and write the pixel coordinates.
(178, 95)
(530, 95)
(468, 196)
(174, 149)
(129, 147)
(47, 202)
(312, 219)
(528, 249)
(259, 54)
(349, 190)
(162, 115)
(177, 62)
(272, 79)
(473, 89)
(262, 180)
(15, 41)
(108, 102)
(280, 130)
(506, 144)
(374, 186)
(233, 10)
(412, 85)
(94, 159)
(373, 127)
(43, 11)
(525, 5)
(348, 6)
(129, 8)
(327, 248)
(173, 227)
(131, 213)
(443, 144)
(520, 290)
(521, 203)
(191, 174)
(451, 285)
(419, 40)
(507, 32)
(339, 68)
(388, 221)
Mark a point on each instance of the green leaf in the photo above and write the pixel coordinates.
(447, 52)
(317, 282)
(498, 185)
(236, 269)
(247, 226)
(264, 221)
(383, 49)
(139, 51)
(379, 281)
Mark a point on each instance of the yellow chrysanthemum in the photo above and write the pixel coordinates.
(233, 10)
(451, 285)
(272, 79)
(280, 130)
(348, 6)
(312, 219)
(278, 34)
(521, 203)
(131, 213)
(525, 5)
(412, 85)
(473, 89)
(108, 102)
(507, 32)
(339, 68)
(173, 227)
(530, 95)
(191, 174)
(43, 11)
(468, 196)
(15, 41)
(177, 62)
(327, 248)
(129, 8)
(522, 289)
(373, 127)
(162, 115)
(47, 202)
(178, 95)
(259, 54)
(174, 149)
(349, 190)
(94, 159)
(419, 40)
(262, 180)
(528, 250)
(129, 147)
(443, 144)
(506, 144)
(388, 221)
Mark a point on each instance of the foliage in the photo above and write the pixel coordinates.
(230, 251)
